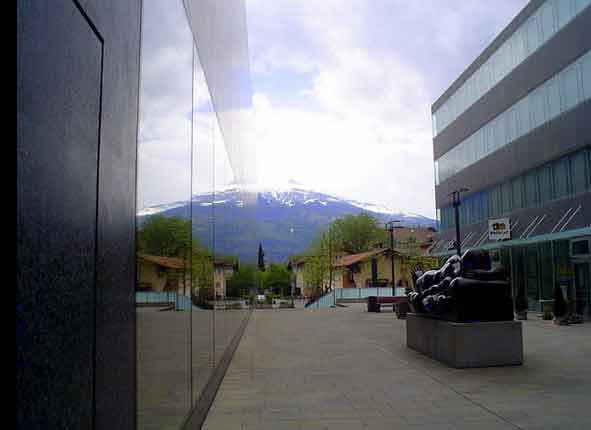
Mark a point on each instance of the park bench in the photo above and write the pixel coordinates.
(399, 304)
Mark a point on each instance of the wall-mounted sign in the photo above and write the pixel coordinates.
(499, 229)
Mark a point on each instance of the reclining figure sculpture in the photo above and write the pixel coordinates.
(464, 289)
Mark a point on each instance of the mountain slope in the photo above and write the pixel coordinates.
(284, 220)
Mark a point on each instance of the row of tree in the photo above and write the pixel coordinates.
(171, 237)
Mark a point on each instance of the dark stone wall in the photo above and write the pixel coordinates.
(77, 109)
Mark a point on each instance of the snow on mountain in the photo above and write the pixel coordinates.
(289, 196)
(281, 210)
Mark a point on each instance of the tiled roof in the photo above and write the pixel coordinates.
(348, 260)
(168, 262)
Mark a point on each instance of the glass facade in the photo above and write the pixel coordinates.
(192, 143)
(536, 269)
(550, 17)
(564, 91)
(561, 178)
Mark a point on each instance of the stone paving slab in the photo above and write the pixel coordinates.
(344, 368)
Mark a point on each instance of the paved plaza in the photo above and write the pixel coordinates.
(344, 368)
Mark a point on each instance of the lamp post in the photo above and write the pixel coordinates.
(456, 202)
(390, 228)
(291, 230)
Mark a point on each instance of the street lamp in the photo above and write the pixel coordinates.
(390, 227)
(455, 198)
(294, 279)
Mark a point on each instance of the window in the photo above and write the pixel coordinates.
(586, 75)
(523, 117)
(538, 105)
(495, 201)
(484, 204)
(553, 98)
(548, 25)
(507, 198)
(500, 138)
(564, 91)
(533, 36)
(519, 45)
(537, 30)
(531, 189)
(545, 184)
(517, 191)
(564, 11)
(569, 88)
(580, 247)
(581, 4)
(578, 171)
(560, 175)
(511, 119)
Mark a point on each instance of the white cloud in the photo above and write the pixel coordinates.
(360, 126)
(368, 137)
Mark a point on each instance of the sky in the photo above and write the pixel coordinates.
(345, 89)
(342, 92)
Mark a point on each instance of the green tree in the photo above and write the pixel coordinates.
(166, 236)
(202, 274)
(317, 267)
(278, 279)
(353, 234)
(242, 281)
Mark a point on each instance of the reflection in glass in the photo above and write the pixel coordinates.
(164, 145)
(194, 165)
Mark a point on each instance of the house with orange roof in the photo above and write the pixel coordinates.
(159, 273)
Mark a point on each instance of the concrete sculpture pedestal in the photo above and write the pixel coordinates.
(460, 345)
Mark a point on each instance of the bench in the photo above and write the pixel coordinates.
(399, 304)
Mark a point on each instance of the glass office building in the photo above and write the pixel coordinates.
(514, 130)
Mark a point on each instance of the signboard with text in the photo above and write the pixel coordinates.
(499, 229)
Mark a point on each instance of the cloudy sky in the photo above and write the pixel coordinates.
(342, 91)
(345, 89)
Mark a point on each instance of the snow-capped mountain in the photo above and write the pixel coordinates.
(284, 219)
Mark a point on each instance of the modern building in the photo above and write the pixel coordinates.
(121, 105)
(514, 129)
